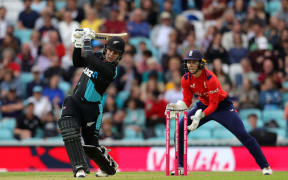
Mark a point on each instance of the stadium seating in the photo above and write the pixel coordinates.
(39, 133)
(272, 7)
(130, 134)
(8, 123)
(23, 35)
(277, 115)
(285, 84)
(121, 98)
(281, 132)
(209, 125)
(285, 94)
(160, 131)
(53, 139)
(7, 126)
(25, 78)
(245, 113)
(222, 133)
(64, 86)
(285, 98)
(172, 128)
(31, 140)
(6, 134)
(60, 4)
(200, 134)
(247, 125)
(135, 41)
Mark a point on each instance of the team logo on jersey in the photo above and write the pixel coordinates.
(206, 93)
(90, 124)
(214, 91)
(90, 73)
(190, 53)
(193, 85)
(201, 94)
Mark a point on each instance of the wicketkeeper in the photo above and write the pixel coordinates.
(83, 110)
(214, 104)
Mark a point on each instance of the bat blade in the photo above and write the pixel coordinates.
(107, 36)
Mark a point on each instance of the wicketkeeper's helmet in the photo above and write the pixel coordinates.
(195, 55)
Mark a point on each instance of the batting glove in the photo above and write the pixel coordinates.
(195, 120)
(89, 33)
(78, 38)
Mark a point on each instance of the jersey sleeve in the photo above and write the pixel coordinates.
(186, 91)
(78, 60)
(213, 94)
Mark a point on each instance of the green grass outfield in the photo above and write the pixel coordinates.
(147, 175)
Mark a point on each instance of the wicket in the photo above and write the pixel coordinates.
(176, 162)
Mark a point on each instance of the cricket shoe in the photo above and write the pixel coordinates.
(267, 171)
(180, 171)
(80, 174)
(101, 174)
(104, 174)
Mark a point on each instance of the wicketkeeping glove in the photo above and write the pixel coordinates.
(195, 120)
(78, 38)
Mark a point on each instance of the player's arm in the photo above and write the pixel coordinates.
(78, 41)
(78, 60)
(213, 94)
(78, 37)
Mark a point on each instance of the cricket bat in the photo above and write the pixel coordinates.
(101, 36)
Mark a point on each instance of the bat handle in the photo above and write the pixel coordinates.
(87, 47)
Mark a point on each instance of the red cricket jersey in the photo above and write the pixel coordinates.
(206, 87)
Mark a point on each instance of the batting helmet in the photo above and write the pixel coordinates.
(195, 55)
(116, 44)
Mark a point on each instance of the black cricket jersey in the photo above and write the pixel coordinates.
(96, 77)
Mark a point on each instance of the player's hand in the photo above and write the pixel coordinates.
(78, 38)
(89, 33)
(195, 120)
